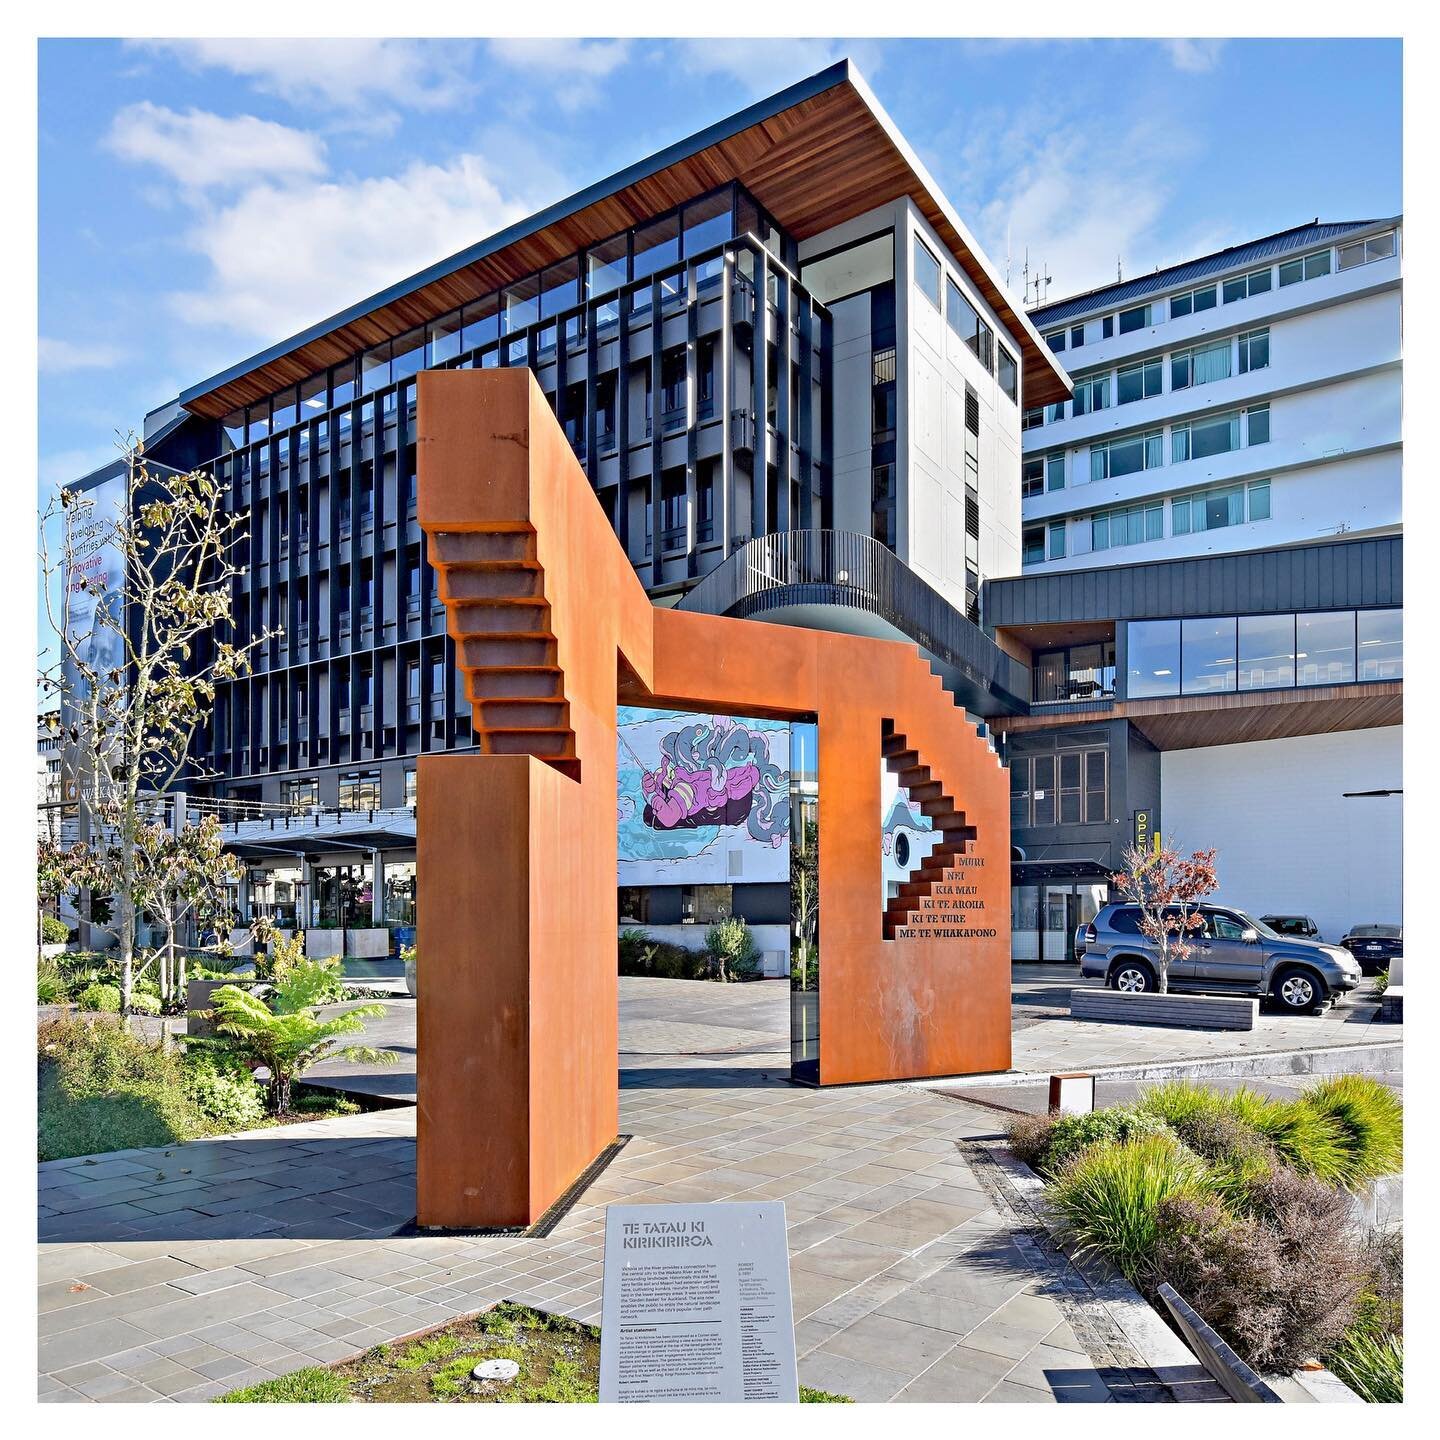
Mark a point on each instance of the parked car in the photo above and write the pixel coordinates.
(1079, 946)
(1374, 946)
(1231, 955)
(1302, 927)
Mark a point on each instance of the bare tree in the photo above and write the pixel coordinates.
(1167, 888)
(140, 655)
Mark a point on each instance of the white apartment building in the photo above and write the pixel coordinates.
(1245, 400)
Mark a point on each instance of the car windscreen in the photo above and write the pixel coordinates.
(1377, 932)
(1257, 925)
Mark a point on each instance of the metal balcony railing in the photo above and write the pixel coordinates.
(843, 567)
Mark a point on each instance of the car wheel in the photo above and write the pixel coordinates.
(1132, 977)
(1298, 992)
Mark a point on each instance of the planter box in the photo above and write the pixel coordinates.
(373, 944)
(324, 944)
(242, 942)
(1181, 1012)
(49, 952)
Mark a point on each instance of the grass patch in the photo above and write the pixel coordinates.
(1373, 1367)
(559, 1362)
(316, 1385)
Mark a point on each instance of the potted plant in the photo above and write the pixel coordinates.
(408, 954)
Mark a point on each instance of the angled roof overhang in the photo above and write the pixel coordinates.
(814, 155)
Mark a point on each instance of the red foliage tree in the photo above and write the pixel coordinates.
(1167, 887)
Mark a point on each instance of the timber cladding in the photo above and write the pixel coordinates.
(517, 1083)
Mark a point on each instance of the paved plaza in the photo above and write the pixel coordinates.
(184, 1272)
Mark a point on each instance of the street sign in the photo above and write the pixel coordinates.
(697, 1304)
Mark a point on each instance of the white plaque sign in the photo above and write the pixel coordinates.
(697, 1304)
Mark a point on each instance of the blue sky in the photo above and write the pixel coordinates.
(200, 199)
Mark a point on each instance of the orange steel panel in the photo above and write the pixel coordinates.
(518, 1032)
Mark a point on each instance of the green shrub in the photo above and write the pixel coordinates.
(732, 950)
(144, 1003)
(640, 955)
(102, 1088)
(1373, 1367)
(1109, 1196)
(49, 984)
(1029, 1137)
(1280, 1283)
(809, 1395)
(223, 1090)
(633, 944)
(1178, 1102)
(1381, 983)
(53, 930)
(1370, 1120)
(99, 997)
(1070, 1134)
(313, 1386)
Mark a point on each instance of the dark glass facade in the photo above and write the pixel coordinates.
(646, 347)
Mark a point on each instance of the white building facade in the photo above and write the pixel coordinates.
(1246, 400)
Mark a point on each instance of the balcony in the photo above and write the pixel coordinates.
(800, 570)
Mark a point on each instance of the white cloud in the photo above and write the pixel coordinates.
(282, 257)
(574, 69)
(761, 66)
(203, 150)
(60, 357)
(344, 74)
(1194, 56)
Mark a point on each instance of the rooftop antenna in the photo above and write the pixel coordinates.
(1118, 275)
(1045, 279)
(1025, 276)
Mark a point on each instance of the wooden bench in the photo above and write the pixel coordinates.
(1183, 1012)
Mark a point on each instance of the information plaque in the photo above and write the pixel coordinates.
(697, 1304)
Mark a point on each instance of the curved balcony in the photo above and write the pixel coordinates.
(792, 575)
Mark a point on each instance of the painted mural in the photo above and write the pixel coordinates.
(703, 799)
(906, 836)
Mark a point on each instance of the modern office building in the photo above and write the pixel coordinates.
(781, 359)
(1250, 702)
(1245, 400)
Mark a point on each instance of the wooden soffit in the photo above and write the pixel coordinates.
(1193, 721)
(815, 155)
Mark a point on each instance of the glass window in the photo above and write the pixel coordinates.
(257, 419)
(1153, 661)
(1056, 341)
(1055, 470)
(375, 368)
(283, 414)
(234, 428)
(1380, 651)
(1127, 456)
(1267, 651)
(407, 354)
(1243, 286)
(1107, 327)
(1091, 394)
(608, 265)
(1201, 438)
(1136, 318)
(360, 790)
(1133, 525)
(1032, 545)
(1192, 302)
(482, 322)
(1325, 648)
(1077, 336)
(1138, 382)
(1254, 350)
(964, 319)
(656, 246)
(522, 304)
(1259, 498)
(312, 396)
(1200, 365)
(560, 288)
(1361, 252)
(1257, 425)
(927, 273)
(1055, 549)
(1032, 478)
(707, 223)
(1305, 267)
(1207, 655)
(1007, 373)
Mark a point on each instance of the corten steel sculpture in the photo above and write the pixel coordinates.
(518, 1083)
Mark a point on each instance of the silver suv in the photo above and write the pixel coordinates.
(1231, 955)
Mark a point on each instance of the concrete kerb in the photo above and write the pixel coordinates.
(1381, 1059)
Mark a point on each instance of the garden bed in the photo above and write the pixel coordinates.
(1244, 1205)
(558, 1359)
